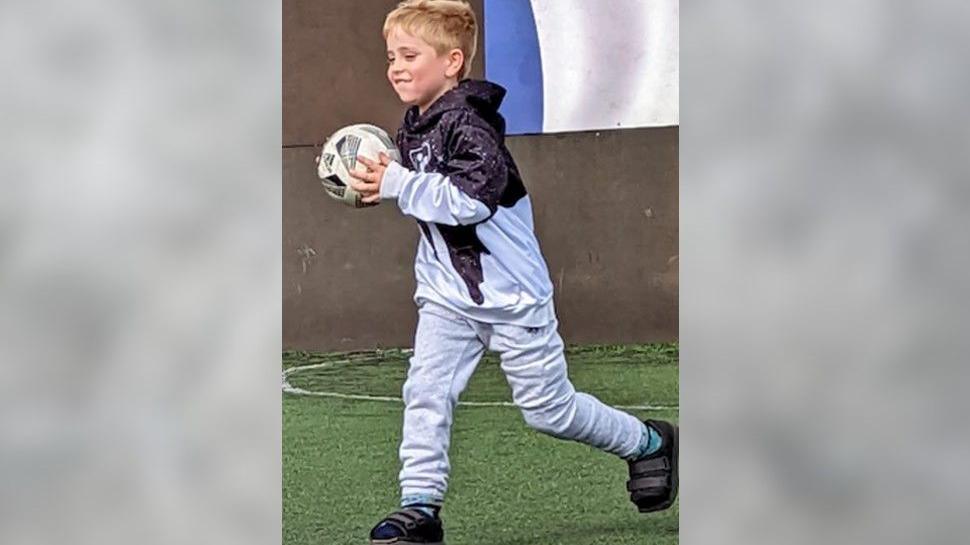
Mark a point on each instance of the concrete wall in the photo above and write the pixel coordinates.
(605, 205)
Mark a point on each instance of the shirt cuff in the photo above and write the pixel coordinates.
(394, 177)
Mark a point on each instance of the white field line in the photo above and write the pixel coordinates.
(290, 389)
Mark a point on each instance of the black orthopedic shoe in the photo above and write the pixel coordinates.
(408, 526)
(653, 478)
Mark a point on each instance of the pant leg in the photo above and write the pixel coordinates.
(535, 368)
(446, 352)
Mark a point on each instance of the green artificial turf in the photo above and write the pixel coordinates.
(509, 484)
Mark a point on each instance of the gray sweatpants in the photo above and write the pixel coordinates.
(447, 348)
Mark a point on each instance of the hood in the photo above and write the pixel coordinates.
(482, 96)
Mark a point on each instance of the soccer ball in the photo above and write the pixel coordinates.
(339, 156)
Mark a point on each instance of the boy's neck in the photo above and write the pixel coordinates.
(424, 107)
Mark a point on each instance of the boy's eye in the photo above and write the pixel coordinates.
(408, 57)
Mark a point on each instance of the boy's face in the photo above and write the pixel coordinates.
(418, 74)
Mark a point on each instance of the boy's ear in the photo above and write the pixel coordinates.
(456, 60)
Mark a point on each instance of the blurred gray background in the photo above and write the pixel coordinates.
(824, 303)
(605, 204)
(823, 298)
(139, 272)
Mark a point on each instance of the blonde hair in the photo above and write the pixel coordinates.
(444, 24)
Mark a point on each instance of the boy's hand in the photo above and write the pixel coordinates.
(369, 185)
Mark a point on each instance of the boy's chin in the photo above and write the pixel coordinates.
(408, 100)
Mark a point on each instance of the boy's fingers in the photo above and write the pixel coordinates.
(367, 162)
(361, 187)
(365, 176)
(385, 159)
(372, 198)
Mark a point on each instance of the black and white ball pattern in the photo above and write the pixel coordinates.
(339, 157)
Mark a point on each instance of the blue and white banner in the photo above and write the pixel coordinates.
(577, 65)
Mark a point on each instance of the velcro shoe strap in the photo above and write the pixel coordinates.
(661, 463)
(406, 520)
(644, 483)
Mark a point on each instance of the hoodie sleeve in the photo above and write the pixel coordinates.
(466, 191)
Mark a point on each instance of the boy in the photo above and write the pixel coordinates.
(482, 282)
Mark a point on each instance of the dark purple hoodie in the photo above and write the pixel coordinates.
(462, 136)
(478, 255)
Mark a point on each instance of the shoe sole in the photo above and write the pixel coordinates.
(674, 478)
